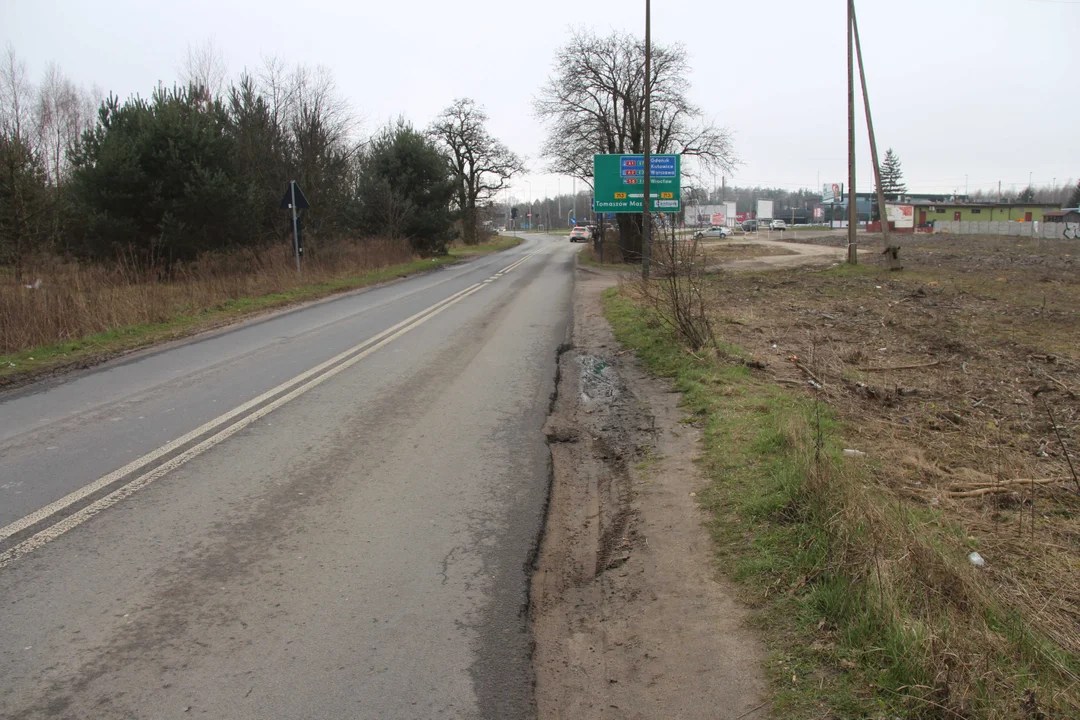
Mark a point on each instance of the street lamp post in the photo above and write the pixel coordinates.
(558, 195)
(547, 207)
(530, 205)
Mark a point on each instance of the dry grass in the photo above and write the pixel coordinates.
(75, 301)
(612, 253)
(943, 374)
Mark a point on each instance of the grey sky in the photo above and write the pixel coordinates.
(985, 89)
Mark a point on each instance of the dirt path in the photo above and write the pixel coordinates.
(629, 617)
(796, 254)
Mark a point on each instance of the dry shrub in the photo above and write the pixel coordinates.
(678, 291)
(75, 300)
(612, 253)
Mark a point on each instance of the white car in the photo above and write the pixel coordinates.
(716, 231)
(778, 225)
(580, 233)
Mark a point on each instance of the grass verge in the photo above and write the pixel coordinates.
(869, 604)
(20, 367)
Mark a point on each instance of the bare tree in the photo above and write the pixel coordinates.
(205, 66)
(275, 84)
(15, 95)
(595, 103)
(62, 113)
(480, 164)
(322, 127)
(23, 194)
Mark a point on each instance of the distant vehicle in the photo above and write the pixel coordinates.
(778, 225)
(750, 225)
(716, 231)
(581, 233)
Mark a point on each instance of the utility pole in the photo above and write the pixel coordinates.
(646, 240)
(853, 247)
(882, 213)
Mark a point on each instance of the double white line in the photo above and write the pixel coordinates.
(299, 385)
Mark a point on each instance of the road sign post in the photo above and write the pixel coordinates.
(294, 199)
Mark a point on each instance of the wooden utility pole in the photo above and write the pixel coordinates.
(853, 247)
(870, 128)
(646, 240)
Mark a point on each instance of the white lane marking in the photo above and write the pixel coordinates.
(75, 519)
(77, 495)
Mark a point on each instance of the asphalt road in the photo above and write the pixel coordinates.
(324, 514)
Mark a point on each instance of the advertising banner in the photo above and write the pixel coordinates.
(901, 216)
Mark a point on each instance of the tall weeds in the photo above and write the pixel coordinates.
(77, 300)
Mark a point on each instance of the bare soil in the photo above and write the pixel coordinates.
(630, 617)
(723, 251)
(947, 374)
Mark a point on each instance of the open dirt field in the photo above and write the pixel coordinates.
(757, 252)
(959, 378)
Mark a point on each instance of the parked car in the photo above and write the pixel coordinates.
(750, 225)
(778, 225)
(580, 233)
(717, 231)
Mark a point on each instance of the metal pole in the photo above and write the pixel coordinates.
(295, 232)
(870, 128)
(646, 249)
(853, 246)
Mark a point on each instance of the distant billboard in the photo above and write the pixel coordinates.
(730, 207)
(764, 209)
(901, 216)
(819, 213)
(832, 193)
(718, 219)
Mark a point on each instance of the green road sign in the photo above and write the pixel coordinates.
(619, 182)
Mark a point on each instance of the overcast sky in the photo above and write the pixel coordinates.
(966, 91)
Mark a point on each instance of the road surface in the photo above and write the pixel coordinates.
(324, 514)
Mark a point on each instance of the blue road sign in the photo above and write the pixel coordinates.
(632, 167)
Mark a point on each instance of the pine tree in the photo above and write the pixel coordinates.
(1074, 201)
(892, 177)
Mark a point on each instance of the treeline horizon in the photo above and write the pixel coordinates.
(202, 165)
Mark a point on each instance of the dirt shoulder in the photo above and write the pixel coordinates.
(629, 616)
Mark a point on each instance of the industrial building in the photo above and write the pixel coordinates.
(953, 208)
